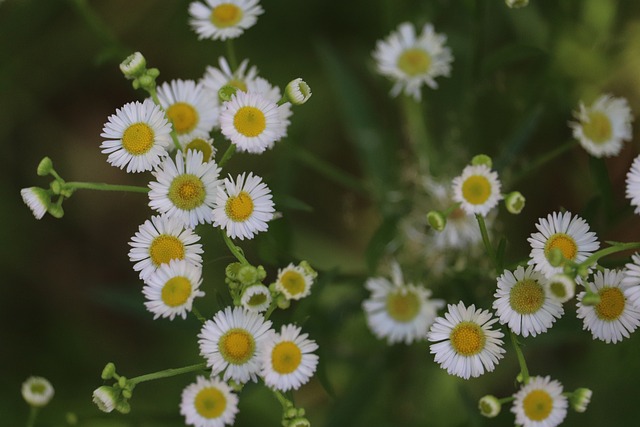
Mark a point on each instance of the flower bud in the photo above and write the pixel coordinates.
(109, 371)
(232, 270)
(514, 4)
(555, 257)
(45, 167)
(562, 287)
(37, 199)
(308, 269)
(482, 159)
(123, 407)
(105, 398)
(580, 399)
(514, 202)
(283, 302)
(590, 299)
(298, 92)
(436, 220)
(37, 391)
(489, 406)
(226, 93)
(133, 66)
(299, 422)
(56, 211)
(247, 275)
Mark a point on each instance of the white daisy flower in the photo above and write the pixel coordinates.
(604, 126)
(232, 343)
(566, 232)
(523, 303)
(243, 78)
(137, 136)
(252, 122)
(171, 289)
(37, 199)
(198, 142)
(287, 359)
(161, 240)
(185, 189)
(464, 343)
(209, 403)
(37, 391)
(477, 189)
(188, 106)
(399, 312)
(294, 282)
(256, 298)
(223, 19)
(631, 281)
(561, 287)
(244, 207)
(614, 317)
(412, 60)
(633, 185)
(540, 403)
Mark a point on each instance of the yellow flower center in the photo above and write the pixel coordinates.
(565, 243)
(164, 248)
(293, 282)
(414, 62)
(183, 116)
(187, 192)
(210, 403)
(237, 346)
(537, 405)
(226, 15)
(611, 304)
(137, 138)
(598, 129)
(467, 338)
(403, 305)
(526, 296)
(238, 84)
(239, 208)
(199, 144)
(285, 357)
(476, 189)
(250, 121)
(176, 291)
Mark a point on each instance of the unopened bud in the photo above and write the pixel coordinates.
(555, 257)
(298, 91)
(514, 202)
(590, 299)
(437, 220)
(45, 167)
(489, 406)
(580, 399)
(562, 287)
(226, 93)
(514, 4)
(133, 66)
(482, 159)
(109, 371)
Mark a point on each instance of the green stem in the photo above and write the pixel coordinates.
(524, 371)
(196, 313)
(271, 308)
(506, 400)
(104, 187)
(542, 160)
(33, 414)
(231, 53)
(418, 135)
(227, 154)
(236, 251)
(450, 209)
(167, 373)
(283, 400)
(154, 96)
(485, 239)
(618, 247)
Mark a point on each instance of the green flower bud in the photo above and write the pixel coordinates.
(590, 299)
(580, 399)
(123, 407)
(299, 422)
(437, 220)
(134, 66)
(482, 159)
(109, 371)
(126, 393)
(146, 82)
(307, 269)
(247, 275)
(489, 406)
(514, 202)
(291, 413)
(56, 211)
(298, 92)
(562, 287)
(262, 274)
(583, 271)
(122, 381)
(105, 398)
(45, 167)
(555, 257)
(282, 302)
(232, 270)
(226, 92)
(514, 4)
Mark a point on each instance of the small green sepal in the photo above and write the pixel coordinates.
(482, 159)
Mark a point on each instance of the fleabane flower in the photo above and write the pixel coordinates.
(256, 298)
(523, 302)
(160, 240)
(243, 207)
(223, 19)
(198, 142)
(565, 231)
(243, 78)
(37, 199)
(631, 280)
(464, 343)
(614, 317)
(252, 122)
(540, 403)
(632, 190)
(288, 361)
(209, 403)
(185, 189)
(37, 391)
(171, 289)
(477, 189)
(188, 106)
(294, 282)
(232, 343)
(604, 126)
(399, 312)
(411, 59)
(136, 137)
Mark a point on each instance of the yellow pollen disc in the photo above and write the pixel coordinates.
(250, 121)
(526, 296)
(414, 62)
(403, 306)
(210, 403)
(537, 405)
(187, 192)
(176, 291)
(239, 208)
(183, 116)
(293, 282)
(164, 248)
(611, 304)
(238, 84)
(476, 189)
(137, 138)
(257, 299)
(598, 128)
(565, 243)
(237, 346)
(199, 144)
(286, 357)
(226, 15)
(467, 338)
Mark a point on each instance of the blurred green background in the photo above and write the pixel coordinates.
(71, 301)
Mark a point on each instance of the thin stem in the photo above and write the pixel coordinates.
(105, 187)
(485, 239)
(231, 53)
(418, 135)
(524, 371)
(171, 372)
(227, 154)
(33, 414)
(450, 209)
(236, 251)
(618, 247)
(196, 313)
(506, 400)
(270, 310)
(283, 400)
